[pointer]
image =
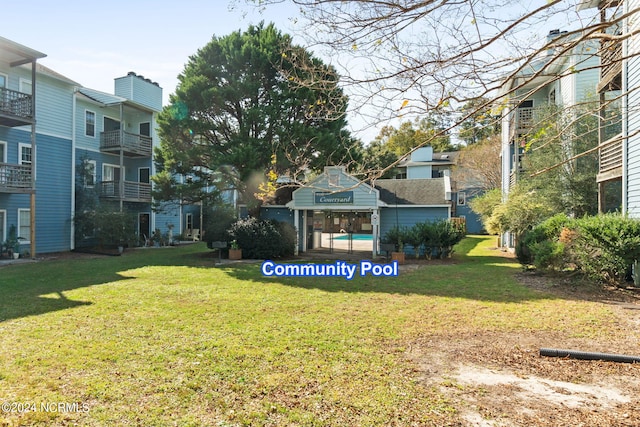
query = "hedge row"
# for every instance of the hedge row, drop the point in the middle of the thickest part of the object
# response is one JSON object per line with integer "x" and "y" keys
{"x": 434, "y": 239}
{"x": 604, "y": 247}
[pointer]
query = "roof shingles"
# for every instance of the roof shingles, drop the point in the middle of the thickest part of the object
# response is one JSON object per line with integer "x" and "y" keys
{"x": 412, "y": 191}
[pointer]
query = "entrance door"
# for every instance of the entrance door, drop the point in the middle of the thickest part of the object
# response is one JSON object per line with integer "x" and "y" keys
{"x": 145, "y": 129}
{"x": 143, "y": 175}
{"x": 342, "y": 231}
{"x": 144, "y": 226}
{"x": 111, "y": 180}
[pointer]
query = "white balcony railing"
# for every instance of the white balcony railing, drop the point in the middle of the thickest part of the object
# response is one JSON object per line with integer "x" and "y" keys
{"x": 131, "y": 144}
{"x": 133, "y": 191}
{"x": 15, "y": 178}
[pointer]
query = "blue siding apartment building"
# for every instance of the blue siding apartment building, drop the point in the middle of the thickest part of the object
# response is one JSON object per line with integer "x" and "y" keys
{"x": 619, "y": 81}
{"x": 58, "y": 139}
{"x": 529, "y": 91}
{"x": 50, "y": 126}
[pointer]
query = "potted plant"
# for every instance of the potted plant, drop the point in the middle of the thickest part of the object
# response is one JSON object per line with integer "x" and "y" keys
{"x": 13, "y": 243}
{"x": 235, "y": 252}
{"x": 399, "y": 254}
{"x": 396, "y": 235}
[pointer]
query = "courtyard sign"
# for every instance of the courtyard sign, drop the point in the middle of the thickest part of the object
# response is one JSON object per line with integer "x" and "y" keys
{"x": 340, "y": 198}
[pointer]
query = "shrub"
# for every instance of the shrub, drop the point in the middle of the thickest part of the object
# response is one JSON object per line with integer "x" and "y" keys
{"x": 548, "y": 254}
{"x": 519, "y": 213}
{"x": 288, "y": 238}
{"x": 396, "y": 235}
{"x": 439, "y": 237}
{"x": 413, "y": 237}
{"x": 605, "y": 246}
{"x": 540, "y": 246}
{"x": 106, "y": 228}
{"x": 263, "y": 239}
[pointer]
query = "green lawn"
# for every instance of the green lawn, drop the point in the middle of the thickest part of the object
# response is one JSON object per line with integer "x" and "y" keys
{"x": 161, "y": 337}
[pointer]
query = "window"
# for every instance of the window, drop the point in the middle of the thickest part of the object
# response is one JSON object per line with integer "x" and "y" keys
{"x": 401, "y": 175}
{"x": 3, "y": 80}
{"x": 90, "y": 173}
{"x": 462, "y": 198}
{"x": 334, "y": 180}
{"x": 3, "y": 152}
{"x": 24, "y": 225}
{"x": 25, "y": 155}
{"x": 189, "y": 222}
{"x": 89, "y": 123}
{"x": 552, "y": 97}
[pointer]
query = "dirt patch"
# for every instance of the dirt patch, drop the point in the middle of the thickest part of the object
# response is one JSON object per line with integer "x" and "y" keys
{"x": 500, "y": 380}
{"x": 578, "y": 287}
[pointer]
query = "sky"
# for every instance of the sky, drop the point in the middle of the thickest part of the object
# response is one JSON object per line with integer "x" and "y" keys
{"x": 93, "y": 43}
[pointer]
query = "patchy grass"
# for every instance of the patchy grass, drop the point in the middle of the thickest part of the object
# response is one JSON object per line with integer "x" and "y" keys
{"x": 161, "y": 337}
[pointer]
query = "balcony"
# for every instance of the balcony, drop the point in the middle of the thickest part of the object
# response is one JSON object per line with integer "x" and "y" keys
{"x": 513, "y": 178}
{"x": 15, "y": 178}
{"x": 16, "y": 108}
{"x": 133, "y": 191}
{"x": 521, "y": 122}
{"x": 610, "y": 159}
{"x": 132, "y": 145}
{"x": 611, "y": 66}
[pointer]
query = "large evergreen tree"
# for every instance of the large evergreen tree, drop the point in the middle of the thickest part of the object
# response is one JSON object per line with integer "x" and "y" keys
{"x": 241, "y": 107}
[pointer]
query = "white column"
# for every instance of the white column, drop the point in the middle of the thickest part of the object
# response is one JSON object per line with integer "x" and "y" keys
{"x": 296, "y": 224}
{"x": 305, "y": 236}
{"x": 375, "y": 225}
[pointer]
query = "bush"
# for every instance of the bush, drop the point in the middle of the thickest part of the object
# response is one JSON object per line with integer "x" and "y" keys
{"x": 106, "y": 228}
{"x": 396, "y": 235}
{"x": 439, "y": 237}
{"x": 263, "y": 239}
{"x": 413, "y": 237}
{"x": 548, "y": 254}
{"x": 484, "y": 205}
{"x": 540, "y": 246}
{"x": 519, "y": 213}
{"x": 605, "y": 246}
{"x": 288, "y": 238}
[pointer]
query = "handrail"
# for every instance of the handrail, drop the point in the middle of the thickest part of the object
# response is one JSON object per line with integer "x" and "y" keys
{"x": 16, "y": 103}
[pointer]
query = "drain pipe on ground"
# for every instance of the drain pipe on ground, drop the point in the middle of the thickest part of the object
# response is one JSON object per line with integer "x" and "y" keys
{"x": 584, "y": 355}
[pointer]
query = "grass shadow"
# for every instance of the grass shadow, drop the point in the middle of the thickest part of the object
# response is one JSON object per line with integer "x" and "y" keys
{"x": 476, "y": 271}
{"x": 23, "y": 286}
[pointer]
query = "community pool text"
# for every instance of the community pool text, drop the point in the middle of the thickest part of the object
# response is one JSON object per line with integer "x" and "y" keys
{"x": 336, "y": 269}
